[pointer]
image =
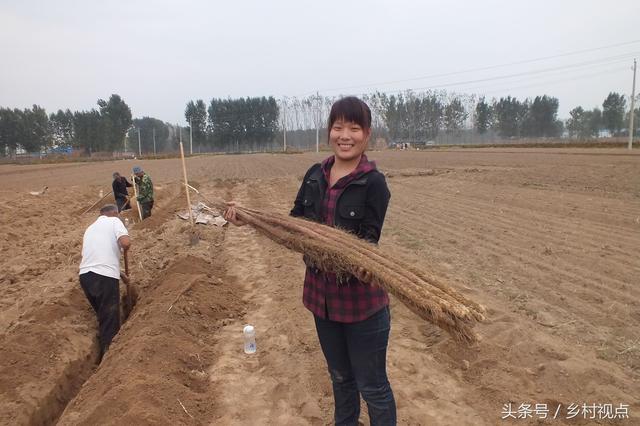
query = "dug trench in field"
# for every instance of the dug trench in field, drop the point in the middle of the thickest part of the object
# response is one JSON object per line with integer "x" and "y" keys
{"x": 79, "y": 365}
{"x": 156, "y": 370}
{"x": 172, "y": 307}
{"x": 42, "y": 366}
{"x": 67, "y": 357}
{"x": 158, "y": 240}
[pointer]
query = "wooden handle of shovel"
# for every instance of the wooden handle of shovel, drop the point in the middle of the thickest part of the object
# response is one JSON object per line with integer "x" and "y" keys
{"x": 126, "y": 263}
{"x": 96, "y": 203}
{"x": 128, "y": 283}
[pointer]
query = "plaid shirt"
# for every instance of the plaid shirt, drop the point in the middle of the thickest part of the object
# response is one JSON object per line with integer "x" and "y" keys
{"x": 351, "y": 300}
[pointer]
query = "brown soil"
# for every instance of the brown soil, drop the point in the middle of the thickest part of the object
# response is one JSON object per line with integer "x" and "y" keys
{"x": 546, "y": 239}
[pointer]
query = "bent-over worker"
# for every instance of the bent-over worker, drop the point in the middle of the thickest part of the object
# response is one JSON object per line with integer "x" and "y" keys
{"x": 100, "y": 271}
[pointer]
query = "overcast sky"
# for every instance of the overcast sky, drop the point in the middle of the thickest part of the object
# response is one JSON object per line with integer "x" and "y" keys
{"x": 158, "y": 55}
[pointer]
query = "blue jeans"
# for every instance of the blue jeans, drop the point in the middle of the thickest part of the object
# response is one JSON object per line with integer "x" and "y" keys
{"x": 356, "y": 355}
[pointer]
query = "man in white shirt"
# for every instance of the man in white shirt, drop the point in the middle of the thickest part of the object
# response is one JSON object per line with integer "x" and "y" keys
{"x": 100, "y": 271}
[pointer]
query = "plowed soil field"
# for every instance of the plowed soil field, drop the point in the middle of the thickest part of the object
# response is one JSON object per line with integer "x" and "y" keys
{"x": 547, "y": 239}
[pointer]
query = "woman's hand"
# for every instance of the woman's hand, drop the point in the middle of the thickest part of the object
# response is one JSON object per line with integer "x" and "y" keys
{"x": 230, "y": 214}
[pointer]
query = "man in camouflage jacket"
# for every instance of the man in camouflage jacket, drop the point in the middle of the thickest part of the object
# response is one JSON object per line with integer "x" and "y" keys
{"x": 145, "y": 191}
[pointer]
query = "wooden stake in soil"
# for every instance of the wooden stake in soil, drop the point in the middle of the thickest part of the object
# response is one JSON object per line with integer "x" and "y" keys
{"x": 135, "y": 192}
{"x": 186, "y": 185}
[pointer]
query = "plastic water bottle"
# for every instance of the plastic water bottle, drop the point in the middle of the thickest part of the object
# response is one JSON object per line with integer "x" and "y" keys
{"x": 101, "y": 194}
{"x": 249, "y": 339}
{"x": 126, "y": 222}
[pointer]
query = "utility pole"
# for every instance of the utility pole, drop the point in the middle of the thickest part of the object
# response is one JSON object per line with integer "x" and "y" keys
{"x": 180, "y": 131}
{"x": 190, "y": 137}
{"x": 633, "y": 105}
{"x": 139, "y": 144}
{"x": 318, "y": 122}
{"x": 154, "y": 141}
{"x": 284, "y": 122}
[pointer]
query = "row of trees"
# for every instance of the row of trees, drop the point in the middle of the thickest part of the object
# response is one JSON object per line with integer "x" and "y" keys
{"x": 103, "y": 129}
{"x": 252, "y": 123}
{"x": 613, "y": 117}
{"x": 27, "y": 128}
{"x": 246, "y": 121}
{"x": 419, "y": 116}
{"x": 422, "y": 116}
{"x": 510, "y": 117}
{"x": 32, "y": 130}
{"x": 536, "y": 118}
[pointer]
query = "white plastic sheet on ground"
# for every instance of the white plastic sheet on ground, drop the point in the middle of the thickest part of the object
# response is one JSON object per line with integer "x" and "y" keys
{"x": 204, "y": 215}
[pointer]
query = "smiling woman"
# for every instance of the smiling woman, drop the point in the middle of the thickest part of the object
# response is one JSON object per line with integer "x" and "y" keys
{"x": 352, "y": 316}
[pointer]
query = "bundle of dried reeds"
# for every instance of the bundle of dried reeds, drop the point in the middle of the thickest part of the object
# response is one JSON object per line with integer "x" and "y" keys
{"x": 331, "y": 249}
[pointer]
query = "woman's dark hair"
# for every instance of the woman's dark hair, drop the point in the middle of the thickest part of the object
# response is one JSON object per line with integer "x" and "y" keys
{"x": 351, "y": 109}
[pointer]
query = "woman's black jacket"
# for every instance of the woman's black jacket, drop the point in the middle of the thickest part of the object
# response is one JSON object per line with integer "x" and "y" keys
{"x": 360, "y": 208}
